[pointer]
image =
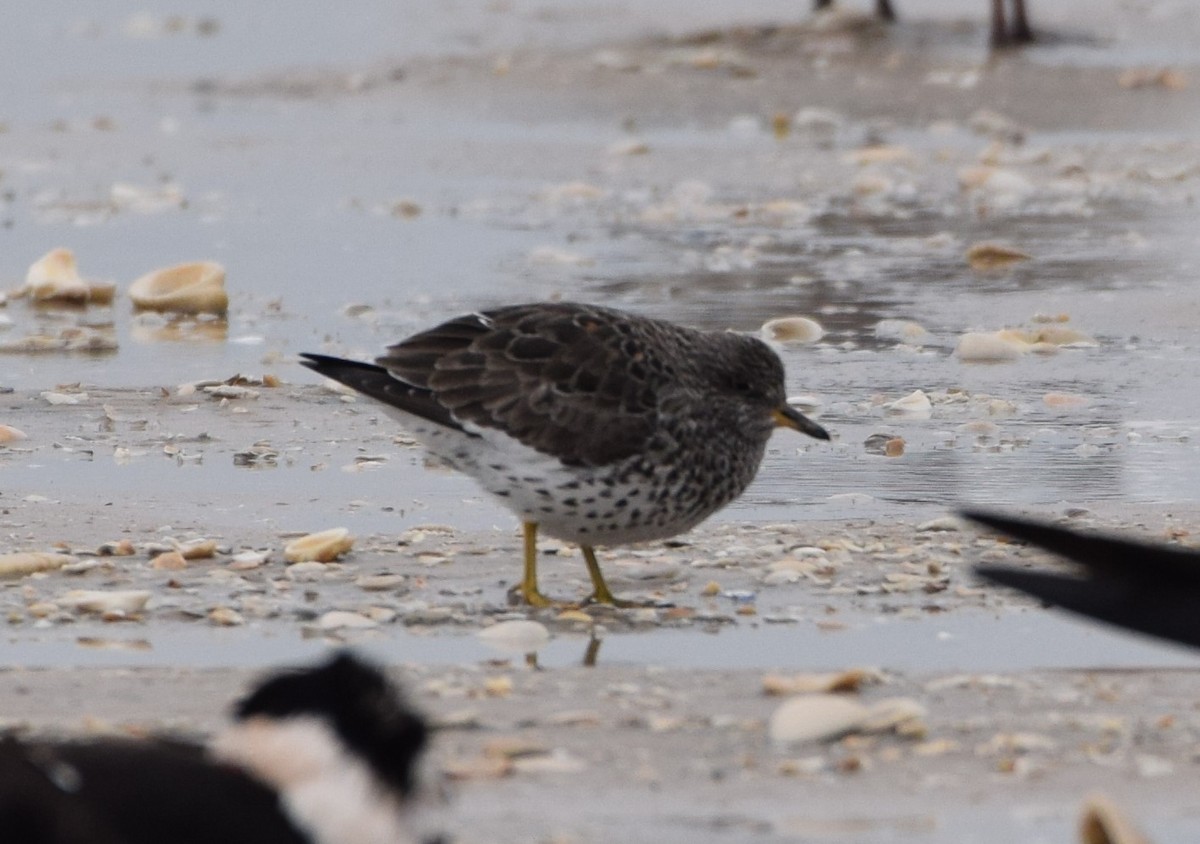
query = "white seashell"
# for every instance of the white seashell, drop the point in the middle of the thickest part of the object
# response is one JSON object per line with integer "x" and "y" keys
{"x": 1103, "y": 823}
{"x": 309, "y": 572}
{"x": 1061, "y": 335}
{"x": 894, "y": 713}
{"x": 342, "y": 620}
{"x": 195, "y": 288}
{"x": 55, "y": 278}
{"x": 169, "y": 561}
{"x": 101, "y": 601}
{"x": 813, "y": 119}
{"x": 245, "y": 560}
{"x": 515, "y": 636}
{"x": 64, "y": 398}
{"x": 380, "y": 582}
{"x": 322, "y": 547}
{"x": 992, "y": 347}
{"x": 915, "y": 404}
{"x": 901, "y": 330}
{"x": 226, "y": 617}
{"x": 795, "y": 329}
{"x": 815, "y": 718}
{"x": 9, "y": 434}
{"x": 940, "y": 524}
{"x": 30, "y": 562}
{"x": 197, "y": 549}
{"x": 805, "y": 403}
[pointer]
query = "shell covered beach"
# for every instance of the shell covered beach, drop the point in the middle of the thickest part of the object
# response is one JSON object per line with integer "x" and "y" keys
{"x": 978, "y": 269}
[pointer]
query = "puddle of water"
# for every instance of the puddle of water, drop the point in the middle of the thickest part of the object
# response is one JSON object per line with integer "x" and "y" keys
{"x": 964, "y": 641}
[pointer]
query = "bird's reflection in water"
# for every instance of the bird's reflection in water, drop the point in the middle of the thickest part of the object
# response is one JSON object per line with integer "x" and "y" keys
{"x": 590, "y": 654}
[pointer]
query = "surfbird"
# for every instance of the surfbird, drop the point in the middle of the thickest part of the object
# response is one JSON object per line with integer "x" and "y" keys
{"x": 597, "y": 426}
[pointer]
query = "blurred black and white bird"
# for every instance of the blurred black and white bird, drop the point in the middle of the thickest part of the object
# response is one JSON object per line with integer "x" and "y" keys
{"x": 322, "y": 755}
{"x": 1148, "y": 587}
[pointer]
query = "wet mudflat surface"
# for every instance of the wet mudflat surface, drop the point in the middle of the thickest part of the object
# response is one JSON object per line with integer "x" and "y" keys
{"x": 714, "y": 166}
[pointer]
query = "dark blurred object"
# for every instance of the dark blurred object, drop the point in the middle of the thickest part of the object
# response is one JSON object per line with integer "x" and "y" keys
{"x": 1142, "y": 586}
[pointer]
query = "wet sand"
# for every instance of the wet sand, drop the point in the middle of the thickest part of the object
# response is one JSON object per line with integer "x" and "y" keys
{"x": 664, "y": 167}
{"x": 664, "y": 734}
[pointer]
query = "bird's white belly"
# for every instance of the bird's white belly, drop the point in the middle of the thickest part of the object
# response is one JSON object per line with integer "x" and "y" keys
{"x": 576, "y": 504}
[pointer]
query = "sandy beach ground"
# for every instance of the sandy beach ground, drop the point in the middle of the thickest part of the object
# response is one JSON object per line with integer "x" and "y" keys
{"x": 717, "y": 166}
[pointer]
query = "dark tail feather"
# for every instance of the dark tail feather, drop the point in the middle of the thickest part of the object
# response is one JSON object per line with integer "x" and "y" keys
{"x": 376, "y": 382}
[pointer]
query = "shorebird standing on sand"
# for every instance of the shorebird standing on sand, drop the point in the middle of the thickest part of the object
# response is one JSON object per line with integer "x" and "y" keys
{"x": 597, "y": 426}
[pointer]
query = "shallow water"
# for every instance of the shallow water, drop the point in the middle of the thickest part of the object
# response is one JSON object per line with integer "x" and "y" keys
{"x": 964, "y": 641}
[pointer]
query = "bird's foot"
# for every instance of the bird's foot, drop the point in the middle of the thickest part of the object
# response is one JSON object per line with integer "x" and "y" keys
{"x": 610, "y": 600}
{"x": 519, "y": 594}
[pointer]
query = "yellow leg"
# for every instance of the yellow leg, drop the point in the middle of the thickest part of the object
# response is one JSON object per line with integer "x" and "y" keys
{"x": 601, "y": 594}
{"x": 529, "y": 587}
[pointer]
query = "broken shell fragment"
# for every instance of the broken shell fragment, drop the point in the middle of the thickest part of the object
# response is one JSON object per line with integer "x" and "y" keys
{"x": 1104, "y": 823}
{"x": 994, "y": 256}
{"x": 323, "y": 547}
{"x": 246, "y": 560}
{"x": 815, "y": 718}
{"x": 195, "y": 288}
{"x": 225, "y": 617}
{"x": 101, "y": 601}
{"x": 796, "y": 329}
{"x": 55, "y": 278}
{"x": 842, "y": 681}
{"x": 31, "y": 562}
{"x": 9, "y": 434}
{"x": 902, "y": 714}
{"x": 822, "y": 717}
{"x": 169, "y": 561}
{"x": 197, "y": 549}
{"x": 345, "y": 620}
{"x": 915, "y": 404}
{"x": 981, "y": 347}
{"x": 1061, "y": 335}
{"x": 901, "y": 330}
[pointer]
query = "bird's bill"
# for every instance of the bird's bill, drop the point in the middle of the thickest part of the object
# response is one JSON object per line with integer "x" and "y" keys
{"x": 787, "y": 416}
